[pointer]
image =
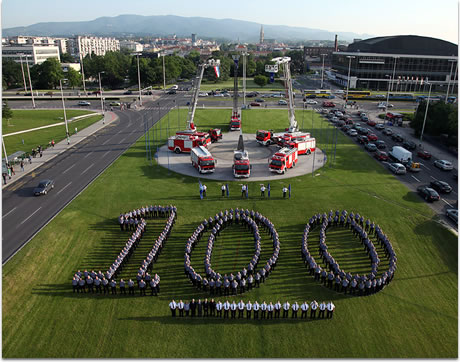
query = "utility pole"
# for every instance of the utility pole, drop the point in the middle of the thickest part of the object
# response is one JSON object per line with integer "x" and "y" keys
{"x": 322, "y": 73}
{"x": 426, "y": 112}
{"x": 63, "y": 107}
{"x": 83, "y": 75}
{"x": 30, "y": 83}
{"x": 100, "y": 93}
{"x": 23, "y": 76}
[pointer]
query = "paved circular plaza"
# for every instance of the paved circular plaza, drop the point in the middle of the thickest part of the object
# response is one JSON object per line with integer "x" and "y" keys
{"x": 222, "y": 151}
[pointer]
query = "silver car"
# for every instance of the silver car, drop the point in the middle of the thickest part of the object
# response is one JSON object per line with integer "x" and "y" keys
{"x": 443, "y": 165}
{"x": 397, "y": 168}
{"x": 452, "y": 214}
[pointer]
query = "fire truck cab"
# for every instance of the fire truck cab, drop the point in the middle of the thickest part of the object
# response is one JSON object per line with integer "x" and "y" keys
{"x": 215, "y": 134}
{"x": 284, "y": 159}
{"x": 184, "y": 143}
{"x": 202, "y": 160}
{"x": 235, "y": 121}
{"x": 241, "y": 166}
{"x": 264, "y": 138}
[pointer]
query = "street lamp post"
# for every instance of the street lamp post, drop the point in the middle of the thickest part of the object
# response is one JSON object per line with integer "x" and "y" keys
{"x": 244, "y": 77}
{"x": 322, "y": 73}
{"x": 63, "y": 107}
{"x": 426, "y": 112}
{"x": 394, "y": 71}
{"x": 164, "y": 73}
{"x": 450, "y": 76}
{"x": 83, "y": 75}
{"x": 100, "y": 92}
{"x": 350, "y": 57}
{"x": 30, "y": 83}
{"x": 23, "y": 76}
{"x": 139, "y": 80}
{"x": 388, "y": 91}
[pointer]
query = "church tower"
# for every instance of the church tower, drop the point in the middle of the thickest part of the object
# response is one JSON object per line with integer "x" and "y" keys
{"x": 261, "y": 34}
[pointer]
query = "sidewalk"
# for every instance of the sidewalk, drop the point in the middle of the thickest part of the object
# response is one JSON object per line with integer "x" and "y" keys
{"x": 58, "y": 148}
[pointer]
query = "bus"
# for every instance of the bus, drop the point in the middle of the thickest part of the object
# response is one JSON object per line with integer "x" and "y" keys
{"x": 318, "y": 93}
{"x": 402, "y": 96}
{"x": 357, "y": 94}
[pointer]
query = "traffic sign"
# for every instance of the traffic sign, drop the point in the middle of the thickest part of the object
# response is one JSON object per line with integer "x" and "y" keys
{"x": 271, "y": 68}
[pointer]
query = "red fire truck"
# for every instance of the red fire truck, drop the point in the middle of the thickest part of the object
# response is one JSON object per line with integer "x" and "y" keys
{"x": 268, "y": 137}
{"x": 264, "y": 137}
{"x": 241, "y": 166}
{"x": 235, "y": 122}
{"x": 202, "y": 160}
{"x": 215, "y": 134}
{"x": 284, "y": 159}
{"x": 304, "y": 146}
{"x": 202, "y": 135}
{"x": 183, "y": 143}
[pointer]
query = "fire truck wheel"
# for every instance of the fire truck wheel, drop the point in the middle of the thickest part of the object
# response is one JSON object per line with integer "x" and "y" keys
{"x": 293, "y": 164}
{"x": 177, "y": 150}
{"x": 308, "y": 152}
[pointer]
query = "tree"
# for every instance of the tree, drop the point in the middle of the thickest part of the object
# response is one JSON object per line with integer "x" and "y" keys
{"x": 73, "y": 78}
{"x": 12, "y": 74}
{"x": 7, "y": 113}
{"x": 47, "y": 74}
{"x": 67, "y": 58}
{"x": 194, "y": 56}
{"x": 260, "y": 80}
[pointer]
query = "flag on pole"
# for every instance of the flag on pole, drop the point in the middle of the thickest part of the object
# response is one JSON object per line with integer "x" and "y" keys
{"x": 289, "y": 190}
{"x": 268, "y": 189}
{"x": 217, "y": 71}
{"x": 226, "y": 187}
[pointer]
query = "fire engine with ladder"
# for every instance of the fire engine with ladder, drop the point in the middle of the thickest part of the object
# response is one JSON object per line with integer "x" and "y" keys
{"x": 185, "y": 140}
{"x": 235, "y": 120}
{"x": 241, "y": 167}
{"x": 266, "y": 138}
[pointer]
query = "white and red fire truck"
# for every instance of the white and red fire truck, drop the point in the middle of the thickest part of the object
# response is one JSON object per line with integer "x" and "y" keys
{"x": 284, "y": 159}
{"x": 241, "y": 167}
{"x": 201, "y": 135}
{"x": 304, "y": 146}
{"x": 184, "y": 143}
{"x": 202, "y": 160}
{"x": 235, "y": 122}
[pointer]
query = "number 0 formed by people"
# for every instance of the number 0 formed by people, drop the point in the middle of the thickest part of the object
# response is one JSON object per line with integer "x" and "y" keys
{"x": 331, "y": 275}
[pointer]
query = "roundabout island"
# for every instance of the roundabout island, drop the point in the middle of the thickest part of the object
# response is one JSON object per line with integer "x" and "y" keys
{"x": 222, "y": 151}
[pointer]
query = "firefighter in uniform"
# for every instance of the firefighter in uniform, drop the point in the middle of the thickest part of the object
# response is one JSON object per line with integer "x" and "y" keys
{"x": 262, "y": 190}
{"x": 285, "y": 190}
{"x": 223, "y": 188}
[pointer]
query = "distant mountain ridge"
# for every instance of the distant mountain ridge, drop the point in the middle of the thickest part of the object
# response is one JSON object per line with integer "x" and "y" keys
{"x": 161, "y": 25}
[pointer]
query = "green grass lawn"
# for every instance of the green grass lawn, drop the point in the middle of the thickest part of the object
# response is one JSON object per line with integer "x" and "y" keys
{"x": 43, "y": 136}
{"x": 415, "y": 316}
{"x": 250, "y": 86}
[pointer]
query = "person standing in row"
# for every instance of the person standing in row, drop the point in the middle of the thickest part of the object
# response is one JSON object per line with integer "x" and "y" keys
{"x": 219, "y": 309}
{"x": 241, "y": 306}
{"x": 330, "y": 309}
{"x": 233, "y": 308}
{"x": 248, "y": 309}
{"x": 313, "y": 308}
{"x": 322, "y": 309}
{"x": 263, "y": 308}
{"x": 226, "y": 308}
{"x": 256, "y": 307}
{"x": 270, "y": 311}
{"x": 180, "y": 307}
{"x": 286, "y": 307}
{"x": 295, "y": 308}
{"x": 304, "y": 308}
{"x": 277, "y": 309}
{"x": 172, "y": 306}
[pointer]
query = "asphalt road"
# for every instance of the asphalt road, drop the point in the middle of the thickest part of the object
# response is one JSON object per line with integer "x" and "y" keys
{"x": 24, "y": 214}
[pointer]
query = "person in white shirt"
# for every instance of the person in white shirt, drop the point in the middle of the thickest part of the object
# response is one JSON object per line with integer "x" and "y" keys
{"x": 219, "y": 308}
{"x": 248, "y": 309}
{"x": 243, "y": 191}
{"x": 313, "y": 308}
{"x": 285, "y": 190}
{"x": 262, "y": 190}
{"x": 241, "y": 306}
{"x": 295, "y": 308}
{"x": 263, "y": 308}
{"x": 173, "y": 306}
{"x": 256, "y": 307}
{"x": 330, "y": 309}
{"x": 226, "y": 308}
{"x": 233, "y": 308}
{"x": 322, "y": 309}
{"x": 304, "y": 308}
{"x": 270, "y": 308}
{"x": 204, "y": 190}
{"x": 277, "y": 309}
{"x": 180, "y": 306}
{"x": 223, "y": 188}
{"x": 286, "y": 307}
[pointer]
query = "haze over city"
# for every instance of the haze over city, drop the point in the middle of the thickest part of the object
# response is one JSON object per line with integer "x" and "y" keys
{"x": 393, "y": 17}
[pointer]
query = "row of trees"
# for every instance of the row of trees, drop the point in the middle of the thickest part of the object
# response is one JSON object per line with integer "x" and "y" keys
{"x": 442, "y": 119}
{"x": 118, "y": 68}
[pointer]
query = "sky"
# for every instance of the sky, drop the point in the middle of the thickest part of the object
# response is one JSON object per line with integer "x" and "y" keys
{"x": 438, "y": 19}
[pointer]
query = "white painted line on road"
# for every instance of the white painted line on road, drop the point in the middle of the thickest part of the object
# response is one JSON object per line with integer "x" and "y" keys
{"x": 69, "y": 168}
{"x": 88, "y": 168}
{"x": 9, "y": 212}
{"x": 63, "y": 188}
{"x": 88, "y": 154}
{"x": 447, "y": 202}
{"x": 426, "y": 167}
{"x": 105, "y": 154}
{"x": 434, "y": 178}
{"x": 23, "y": 221}
{"x": 415, "y": 178}
{"x": 106, "y": 141}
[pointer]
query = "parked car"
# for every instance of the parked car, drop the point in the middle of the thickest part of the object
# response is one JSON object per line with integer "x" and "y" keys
{"x": 452, "y": 214}
{"x": 202, "y": 94}
{"x": 388, "y": 131}
{"x": 311, "y": 101}
{"x": 362, "y": 139}
{"x": 255, "y": 104}
{"x": 409, "y": 145}
{"x": 260, "y": 100}
{"x": 346, "y": 128}
{"x": 282, "y": 102}
{"x": 381, "y": 145}
{"x": 397, "y": 137}
{"x": 428, "y": 193}
{"x": 84, "y": 103}
{"x": 424, "y": 154}
{"x": 352, "y": 132}
{"x": 441, "y": 186}
{"x": 397, "y": 168}
{"x": 43, "y": 187}
{"x": 381, "y": 155}
{"x": 115, "y": 104}
{"x": 443, "y": 165}
{"x": 372, "y": 137}
{"x": 371, "y": 123}
{"x": 128, "y": 92}
{"x": 370, "y": 147}
{"x": 363, "y": 131}
{"x": 379, "y": 126}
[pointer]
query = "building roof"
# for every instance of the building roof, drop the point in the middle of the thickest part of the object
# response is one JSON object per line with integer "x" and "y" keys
{"x": 405, "y": 44}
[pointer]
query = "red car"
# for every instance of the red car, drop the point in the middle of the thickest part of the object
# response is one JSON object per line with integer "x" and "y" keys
{"x": 371, "y": 123}
{"x": 328, "y": 104}
{"x": 255, "y": 104}
{"x": 372, "y": 137}
{"x": 424, "y": 154}
{"x": 381, "y": 156}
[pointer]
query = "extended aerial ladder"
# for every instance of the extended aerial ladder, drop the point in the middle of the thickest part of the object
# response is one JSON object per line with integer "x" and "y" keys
{"x": 196, "y": 90}
{"x": 235, "y": 120}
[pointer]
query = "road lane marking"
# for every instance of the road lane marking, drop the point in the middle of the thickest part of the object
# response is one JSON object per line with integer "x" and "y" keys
{"x": 426, "y": 167}
{"x": 122, "y": 140}
{"x": 447, "y": 203}
{"x": 105, "y": 154}
{"x": 434, "y": 178}
{"x": 69, "y": 168}
{"x": 9, "y": 212}
{"x": 63, "y": 188}
{"x": 106, "y": 141}
{"x": 88, "y": 154}
{"x": 88, "y": 168}
{"x": 23, "y": 221}
{"x": 415, "y": 178}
